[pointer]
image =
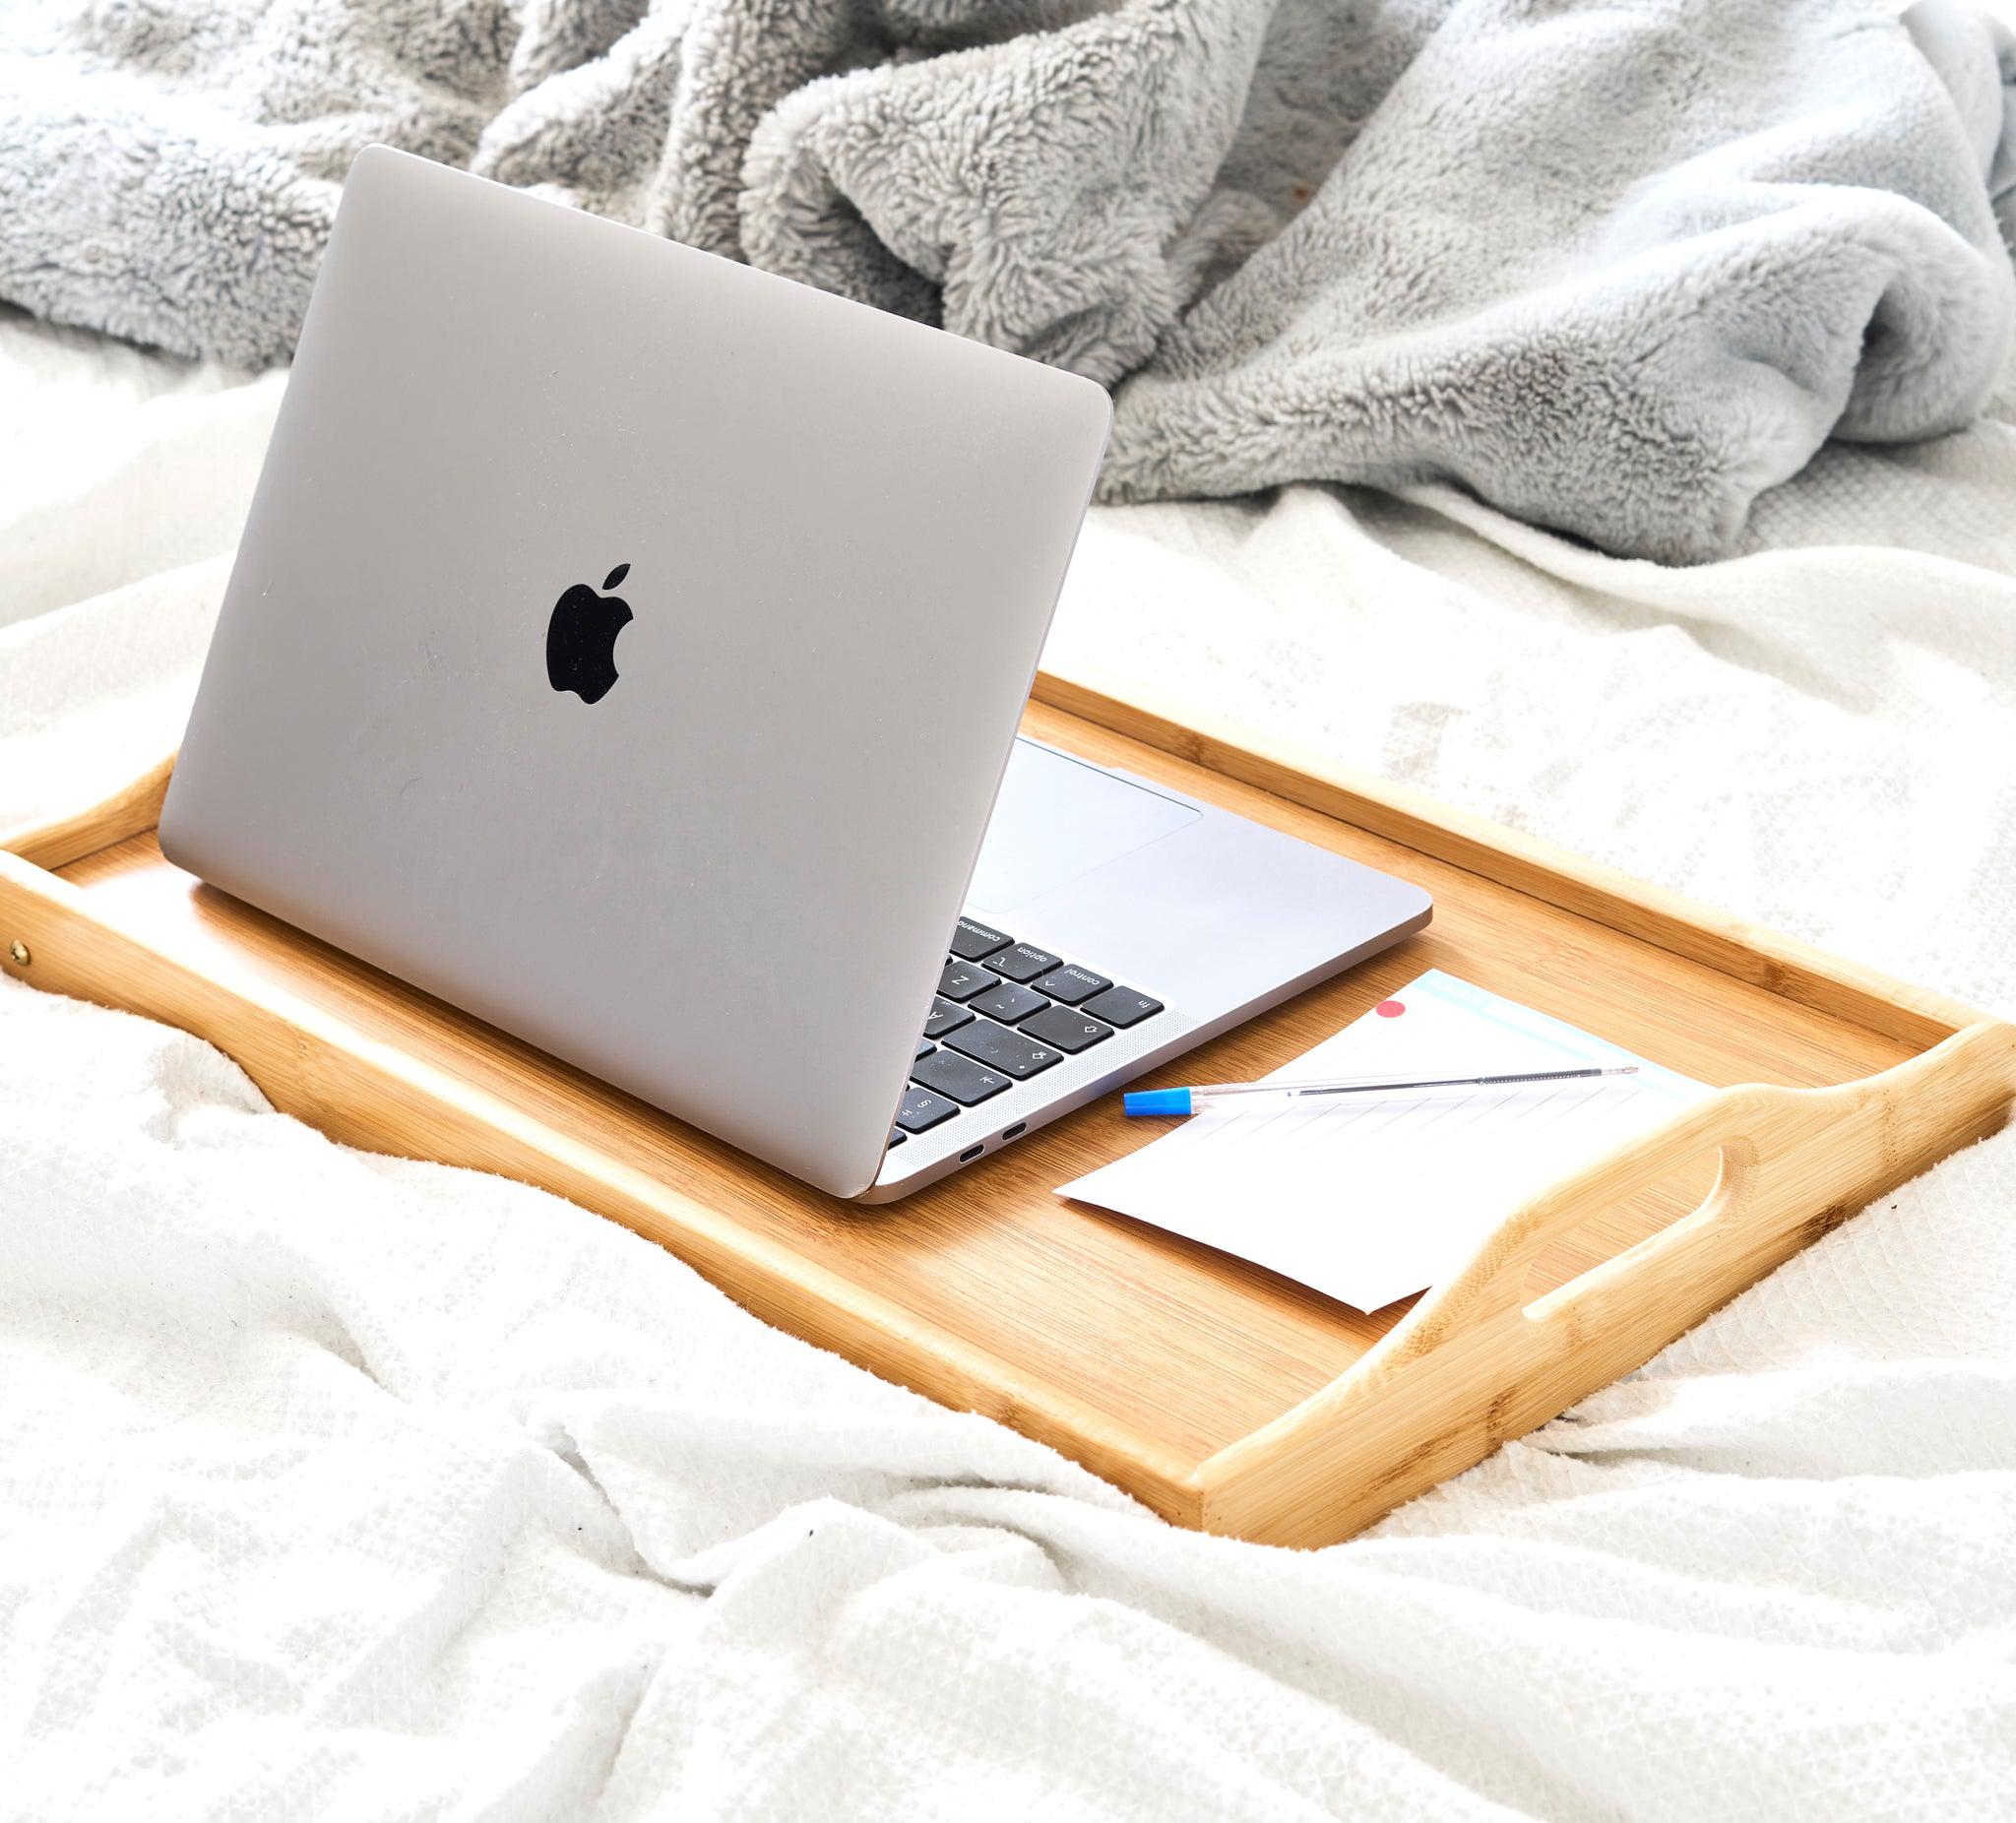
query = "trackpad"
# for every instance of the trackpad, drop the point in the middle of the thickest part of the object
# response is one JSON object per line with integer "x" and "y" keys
{"x": 1057, "y": 819}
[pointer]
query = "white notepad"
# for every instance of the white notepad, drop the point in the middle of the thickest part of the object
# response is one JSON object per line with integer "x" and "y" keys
{"x": 1383, "y": 1196}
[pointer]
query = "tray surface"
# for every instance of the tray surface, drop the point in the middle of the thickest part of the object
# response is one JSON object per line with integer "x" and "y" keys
{"x": 1167, "y": 1352}
{"x": 1125, "y": 1311}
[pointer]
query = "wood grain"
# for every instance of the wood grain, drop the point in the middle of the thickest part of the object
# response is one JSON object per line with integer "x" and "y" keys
{"x": 1489, "y": 1362}
{"x": 60, "y": 840}
{"x": 1161, "y": 1365}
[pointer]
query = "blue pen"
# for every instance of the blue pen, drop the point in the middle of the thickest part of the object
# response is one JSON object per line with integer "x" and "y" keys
{"x": 1195, "y": 1099}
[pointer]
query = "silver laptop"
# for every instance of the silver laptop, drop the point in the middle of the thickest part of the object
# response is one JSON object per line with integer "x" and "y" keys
{"x": 628, "y": 648}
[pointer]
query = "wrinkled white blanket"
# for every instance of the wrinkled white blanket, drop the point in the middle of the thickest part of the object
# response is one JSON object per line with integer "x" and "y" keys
{"x": 330, "y": 1485}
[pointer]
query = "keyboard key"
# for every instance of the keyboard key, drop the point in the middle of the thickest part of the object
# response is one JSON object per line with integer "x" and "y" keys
{"x": 896, "y": 1138}
{"x": 957, "y": 1077}
{"x": 963, "y": 979}
{"x": 925, "y": 1048}
{"x": 921, "y": 1110}
{"x": 1122, "y": 1006}
{"x": 971, "y": 941}
{"x": 1022, "y": 963}
{"x": 1010, "y": 1004}
{"x": 1070, "y": 984}
{"x": 944, "y": 1016}
{"x": 1002, "y": 1049}
{"x": 1064, "y": 1027}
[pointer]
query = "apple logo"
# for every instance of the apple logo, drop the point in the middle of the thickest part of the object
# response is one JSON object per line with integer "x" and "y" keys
{"x": 580, "y": 638}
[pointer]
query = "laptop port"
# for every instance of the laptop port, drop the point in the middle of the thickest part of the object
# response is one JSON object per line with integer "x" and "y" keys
{"x": 971, "y": 1153}
{"x": 1021, "y": 1126}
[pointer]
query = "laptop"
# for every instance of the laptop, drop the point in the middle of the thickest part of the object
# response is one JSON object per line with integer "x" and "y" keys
{"x": 628, "y": 648}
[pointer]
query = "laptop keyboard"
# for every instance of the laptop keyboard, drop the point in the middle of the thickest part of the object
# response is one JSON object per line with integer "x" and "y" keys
{"x": 1005, "y": 1012}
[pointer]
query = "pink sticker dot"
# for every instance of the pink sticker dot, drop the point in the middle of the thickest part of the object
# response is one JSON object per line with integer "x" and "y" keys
{"x": 1390, "y": 1009}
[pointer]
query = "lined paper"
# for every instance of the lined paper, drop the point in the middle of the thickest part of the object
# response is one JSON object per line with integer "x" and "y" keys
{"x": 1379, "y": 1197}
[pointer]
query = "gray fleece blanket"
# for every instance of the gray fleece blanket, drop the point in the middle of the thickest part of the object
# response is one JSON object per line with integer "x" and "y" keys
{"x": 1615, "y": 267}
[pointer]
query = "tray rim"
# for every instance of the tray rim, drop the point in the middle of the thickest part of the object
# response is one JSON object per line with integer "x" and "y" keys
{"x": 1543, "y": 871}
{"x": 1530, "y": 864}
{"x": 1307, "y": 1477}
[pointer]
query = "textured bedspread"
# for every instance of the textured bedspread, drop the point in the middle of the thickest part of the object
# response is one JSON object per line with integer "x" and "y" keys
{"x": 335, "y": 1486}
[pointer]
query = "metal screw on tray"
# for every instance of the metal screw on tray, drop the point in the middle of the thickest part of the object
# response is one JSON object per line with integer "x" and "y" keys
{"x": 19, "y": 951}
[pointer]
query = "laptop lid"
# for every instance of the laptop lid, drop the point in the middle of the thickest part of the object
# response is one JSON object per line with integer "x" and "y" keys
{"x": 626, "y": 646}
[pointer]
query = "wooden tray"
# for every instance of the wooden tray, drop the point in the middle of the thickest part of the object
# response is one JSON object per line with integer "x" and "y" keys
{"x": 1219, "y": 1394}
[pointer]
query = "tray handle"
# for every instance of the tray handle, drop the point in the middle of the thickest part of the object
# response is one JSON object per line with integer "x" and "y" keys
{"x": 1478, "y": 1361}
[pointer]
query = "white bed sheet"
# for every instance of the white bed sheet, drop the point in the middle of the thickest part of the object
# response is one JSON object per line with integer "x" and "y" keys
{"x": 341, "y": 1485}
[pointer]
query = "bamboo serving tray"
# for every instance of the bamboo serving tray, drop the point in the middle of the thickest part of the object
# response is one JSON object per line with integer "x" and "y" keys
{"x": 1221, "y": 1396}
